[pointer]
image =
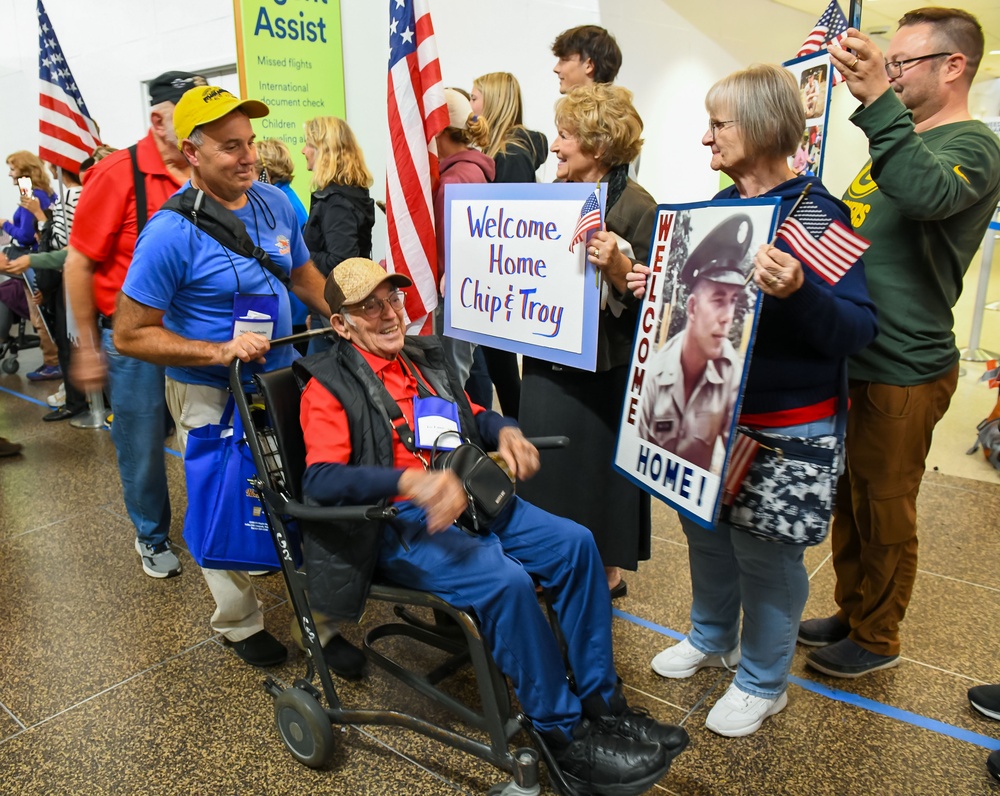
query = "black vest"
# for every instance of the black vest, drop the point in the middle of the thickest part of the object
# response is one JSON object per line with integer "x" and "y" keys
{"x": 340, "y": 558}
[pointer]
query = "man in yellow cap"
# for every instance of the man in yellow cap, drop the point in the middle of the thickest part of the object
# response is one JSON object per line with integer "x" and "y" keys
{"x": 193, "y": 305}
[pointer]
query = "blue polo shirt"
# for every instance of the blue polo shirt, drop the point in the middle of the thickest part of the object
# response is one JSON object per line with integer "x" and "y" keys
{"x": 193, "y": 278}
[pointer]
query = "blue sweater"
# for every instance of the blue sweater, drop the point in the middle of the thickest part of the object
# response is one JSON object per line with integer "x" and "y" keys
{"x": 22, "y": 226}
{"x": 802, "y": 340}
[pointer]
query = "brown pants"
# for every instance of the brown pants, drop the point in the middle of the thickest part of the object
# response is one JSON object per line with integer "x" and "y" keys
{"x": 874, "y": 535}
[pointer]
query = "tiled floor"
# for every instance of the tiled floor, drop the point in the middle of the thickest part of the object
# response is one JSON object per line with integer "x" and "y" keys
{"x": 112, "y": 683}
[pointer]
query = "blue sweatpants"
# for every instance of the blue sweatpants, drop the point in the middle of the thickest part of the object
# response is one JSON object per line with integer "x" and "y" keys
{"x": 491, "y": 576}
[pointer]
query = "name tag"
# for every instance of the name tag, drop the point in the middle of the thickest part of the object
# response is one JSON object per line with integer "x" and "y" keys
{"x": 436, "y": 422}
{"x": 254, "y": 312}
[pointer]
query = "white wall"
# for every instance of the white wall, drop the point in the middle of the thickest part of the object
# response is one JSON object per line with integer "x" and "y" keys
{"x": 673, "y": 51}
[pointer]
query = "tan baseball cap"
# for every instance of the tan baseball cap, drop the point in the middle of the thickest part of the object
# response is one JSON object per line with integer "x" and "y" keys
{"x": 355, "y": 279}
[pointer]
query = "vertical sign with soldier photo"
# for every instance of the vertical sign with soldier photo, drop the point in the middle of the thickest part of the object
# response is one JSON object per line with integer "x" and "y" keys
{"x": 692, "y": 351}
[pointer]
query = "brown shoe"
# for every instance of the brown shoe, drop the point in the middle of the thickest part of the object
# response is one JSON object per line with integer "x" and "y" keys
{"x": 8, "y": 448}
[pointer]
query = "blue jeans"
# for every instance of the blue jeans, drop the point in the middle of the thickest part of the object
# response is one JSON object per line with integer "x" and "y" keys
{"x": 136, "y": 392}
{"x": 731, "y": 570}
{"x": 491, "y": 575}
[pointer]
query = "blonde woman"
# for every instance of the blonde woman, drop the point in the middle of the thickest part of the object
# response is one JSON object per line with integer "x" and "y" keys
{"x": 341, "y": 213}
{"x": 517, "y": 151}
{"x": 599, "y": 133}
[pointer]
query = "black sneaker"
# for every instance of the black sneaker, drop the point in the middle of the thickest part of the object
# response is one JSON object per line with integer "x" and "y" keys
{"x": 261, "y": 649}
{"x": 993, "y": 764}
{"x": 594, "y": 761}
{"x": 821, "y": 632}
{"x": 638, "y": 724}
{"x": 846, "y": 659}
{"x": 986, "y": 699}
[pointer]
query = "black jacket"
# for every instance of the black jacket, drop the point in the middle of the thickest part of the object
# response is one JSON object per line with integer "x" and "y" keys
{"x": 340, "y": 224}
{"x": 524, "y": 155}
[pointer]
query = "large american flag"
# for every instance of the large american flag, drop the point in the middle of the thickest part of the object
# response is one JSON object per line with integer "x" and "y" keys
{"x": 417, "y": 113}
{"x": 68, "y": 134}
{"x": 830, "y": 27}
{"x": 590, "y": 218}
{"x": 826, "y": 245}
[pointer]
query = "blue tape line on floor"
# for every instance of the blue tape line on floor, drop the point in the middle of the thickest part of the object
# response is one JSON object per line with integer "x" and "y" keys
{"x": 37, "y": 402}
{"x": 915, "y": 719}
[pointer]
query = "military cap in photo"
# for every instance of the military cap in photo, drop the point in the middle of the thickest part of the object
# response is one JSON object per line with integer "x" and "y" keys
{"x": 719, "y": 257}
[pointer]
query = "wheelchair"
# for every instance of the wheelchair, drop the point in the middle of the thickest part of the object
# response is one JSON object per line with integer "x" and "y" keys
{"x": 12, "y": 295}
{"x": 304, "y": 723}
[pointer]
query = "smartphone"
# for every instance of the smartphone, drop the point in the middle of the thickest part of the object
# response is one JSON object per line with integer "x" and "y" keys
{"x": 24, "y": 185}
{"x": 854, "y": 15}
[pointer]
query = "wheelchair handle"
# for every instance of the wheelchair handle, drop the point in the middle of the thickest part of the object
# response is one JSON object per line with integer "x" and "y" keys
{"x": 549, "y": 442}
{"x": 338, "y": 513}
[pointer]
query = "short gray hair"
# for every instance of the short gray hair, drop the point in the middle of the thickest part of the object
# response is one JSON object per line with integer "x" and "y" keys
{"x": 764, "y": 99}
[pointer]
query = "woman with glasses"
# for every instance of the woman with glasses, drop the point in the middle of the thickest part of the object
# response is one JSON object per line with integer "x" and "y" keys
{"x": 341, "y": 213}
{"x": 598, "y": 135}
{"x": 807, "y": 329}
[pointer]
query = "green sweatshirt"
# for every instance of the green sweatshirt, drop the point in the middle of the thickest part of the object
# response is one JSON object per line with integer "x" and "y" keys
{"x": 49, "y": 260}
{"x": 924, "y": 200}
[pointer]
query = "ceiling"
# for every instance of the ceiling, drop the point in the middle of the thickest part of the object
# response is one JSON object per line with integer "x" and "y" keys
{"x": 773, "y": 30}
{"x": 882, "y": 17}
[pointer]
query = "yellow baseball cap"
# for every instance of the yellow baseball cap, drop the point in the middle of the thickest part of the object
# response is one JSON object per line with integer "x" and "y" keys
{"x": 204, "y": 104}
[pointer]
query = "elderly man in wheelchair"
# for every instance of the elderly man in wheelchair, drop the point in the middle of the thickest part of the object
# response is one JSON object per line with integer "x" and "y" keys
{"x": 360, "y": 402}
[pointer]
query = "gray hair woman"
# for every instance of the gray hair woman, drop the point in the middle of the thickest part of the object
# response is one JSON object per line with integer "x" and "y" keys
{"x": 807, "y": 329}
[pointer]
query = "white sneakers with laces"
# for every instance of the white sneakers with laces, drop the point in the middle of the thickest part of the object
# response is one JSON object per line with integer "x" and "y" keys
{"x": 683, "y": 660}
{"x": 739, "y": 713}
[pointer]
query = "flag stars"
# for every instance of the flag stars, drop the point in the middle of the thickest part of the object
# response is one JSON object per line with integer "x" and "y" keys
{"x": 407, "y": 35}
{"x": 392, "y": 27}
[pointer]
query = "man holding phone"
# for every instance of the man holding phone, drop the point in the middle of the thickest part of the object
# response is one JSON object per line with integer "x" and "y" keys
{"x": 924, "y": 200}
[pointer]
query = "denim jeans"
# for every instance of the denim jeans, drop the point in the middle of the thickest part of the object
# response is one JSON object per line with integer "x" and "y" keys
{"x": 731, "y": 570}
{"x": 137, "y": 401}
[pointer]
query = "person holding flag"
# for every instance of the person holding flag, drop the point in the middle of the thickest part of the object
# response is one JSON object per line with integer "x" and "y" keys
{"x": 924, "y": 199}
{"x": 599, "y": 134}
{"x": 807, "y": 329}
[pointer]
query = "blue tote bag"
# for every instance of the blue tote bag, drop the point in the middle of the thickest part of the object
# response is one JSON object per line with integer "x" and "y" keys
{"x": 224, "y": 526}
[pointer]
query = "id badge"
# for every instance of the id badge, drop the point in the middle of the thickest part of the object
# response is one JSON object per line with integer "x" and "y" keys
{"x": 436, "y": 421}
{"x": 254, "y": 312}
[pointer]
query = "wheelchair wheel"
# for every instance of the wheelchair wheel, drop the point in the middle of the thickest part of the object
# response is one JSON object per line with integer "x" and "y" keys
{"x": 10, "y": 365}
{"x": 304, "y": 727}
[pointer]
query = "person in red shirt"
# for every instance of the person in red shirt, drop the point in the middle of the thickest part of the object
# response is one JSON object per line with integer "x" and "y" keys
{"x": 353, "y": 457}
{"x": 122, "y": 192}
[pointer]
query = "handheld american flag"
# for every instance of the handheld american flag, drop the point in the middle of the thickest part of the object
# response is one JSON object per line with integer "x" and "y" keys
{"x": 740, "y": 458}
{"x": 68, "y": 134}
{"x": 826, "y": 245}
{"x": 830, "y": 27}
{"x": 590, "y": 218}
{"x": 417, "y": 113}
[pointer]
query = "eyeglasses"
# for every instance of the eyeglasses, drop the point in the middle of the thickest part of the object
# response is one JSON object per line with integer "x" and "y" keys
{"x": 714, "y": 127}
{"x": 372, "y": 308}
{"x": 894, "y": 69}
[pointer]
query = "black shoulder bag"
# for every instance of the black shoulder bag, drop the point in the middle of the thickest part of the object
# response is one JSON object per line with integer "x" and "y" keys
{"x": 488, "y": 488}
{"x": 222, "y": 224}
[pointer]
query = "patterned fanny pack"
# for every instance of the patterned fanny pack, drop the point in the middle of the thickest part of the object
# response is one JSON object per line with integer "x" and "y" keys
{"x": 787, "y": 487}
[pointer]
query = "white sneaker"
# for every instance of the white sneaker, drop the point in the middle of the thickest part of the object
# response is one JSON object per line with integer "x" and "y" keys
{"x": 739, "y": 713}
{"x": 682, "y": 660}
{"x": 58, "y": 398}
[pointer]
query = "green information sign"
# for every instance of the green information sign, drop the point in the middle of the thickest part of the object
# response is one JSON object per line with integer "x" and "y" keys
{"x": 290, "y": 57}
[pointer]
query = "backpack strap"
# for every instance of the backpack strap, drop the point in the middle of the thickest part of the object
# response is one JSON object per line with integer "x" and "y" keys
{"x": 223, "y": 225}
{"x": 141, "y": 208}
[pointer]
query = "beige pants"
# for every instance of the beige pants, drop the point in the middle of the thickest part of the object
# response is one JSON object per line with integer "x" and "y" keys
{"x": 238, "y": 612}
